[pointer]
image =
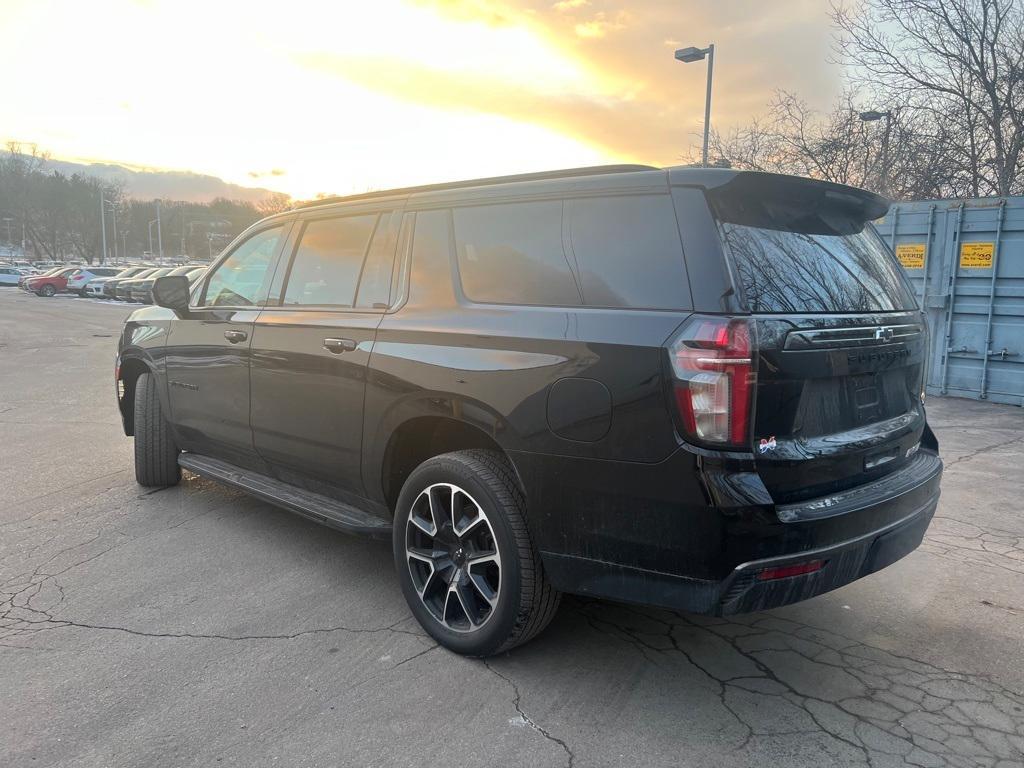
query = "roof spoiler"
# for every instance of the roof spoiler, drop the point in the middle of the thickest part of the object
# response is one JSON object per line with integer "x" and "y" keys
{"x": 732, "y": 185}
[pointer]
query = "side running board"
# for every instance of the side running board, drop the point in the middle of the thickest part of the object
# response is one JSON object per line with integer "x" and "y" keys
{"x": 322, "y": 509}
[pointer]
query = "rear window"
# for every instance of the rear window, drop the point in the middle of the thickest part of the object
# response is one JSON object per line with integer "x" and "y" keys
{"x": 808, "y": 252}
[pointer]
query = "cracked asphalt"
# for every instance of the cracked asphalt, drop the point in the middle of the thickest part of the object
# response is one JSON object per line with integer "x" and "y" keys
{"x": 196, "y": 626}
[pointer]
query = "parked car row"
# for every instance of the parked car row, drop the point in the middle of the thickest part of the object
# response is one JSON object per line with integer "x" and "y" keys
{"x": 137, "y": 285}
{"x": 133, "y": 284}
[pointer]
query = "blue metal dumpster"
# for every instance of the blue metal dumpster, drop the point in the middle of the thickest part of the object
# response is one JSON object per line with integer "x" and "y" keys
{"x": 966, "y": 261}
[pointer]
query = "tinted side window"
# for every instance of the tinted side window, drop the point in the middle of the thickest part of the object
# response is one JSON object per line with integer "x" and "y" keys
{"x": 628, "y": 252}
{"x": 430, "y": 278}
{"x": 512, "y": 254}
{"x": 327, "y": 262}
{"x": 375, "y": 282}
{"x": 242, "y": 279}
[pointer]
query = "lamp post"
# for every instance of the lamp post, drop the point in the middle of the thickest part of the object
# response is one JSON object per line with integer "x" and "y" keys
{"x": 103, "y": 226}
{"x": 151, "y": 223}
{"x": 872, "y": 116}
{"x": 688, "y": 56}
{"x": 113, "y": 214}
{"x": 159, "y": 236}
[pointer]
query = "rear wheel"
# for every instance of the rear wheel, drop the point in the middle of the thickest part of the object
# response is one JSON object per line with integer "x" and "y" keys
{"x": 156, "y": 455}
{"x": 467, "y": 566}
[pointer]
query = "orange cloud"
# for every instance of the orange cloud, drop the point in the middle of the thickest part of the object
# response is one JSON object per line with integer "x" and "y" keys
{"x": 395, "y": 92}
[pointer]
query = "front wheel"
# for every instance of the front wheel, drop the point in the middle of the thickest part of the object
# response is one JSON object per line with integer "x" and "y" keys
{"x": 48, "y": 291}
{"x": 466, "y": 563}
{"x": 156, "y": 455}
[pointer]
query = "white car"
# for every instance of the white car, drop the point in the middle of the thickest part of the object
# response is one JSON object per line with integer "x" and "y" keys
{"x": 78, "y": 281}
{"x": 10, "y": 275}
{"x": 96, "y": 288}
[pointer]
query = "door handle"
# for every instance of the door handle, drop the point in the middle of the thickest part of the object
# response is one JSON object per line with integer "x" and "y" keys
{"x": 337, "y": 346}
{"x": 235, "y": 336}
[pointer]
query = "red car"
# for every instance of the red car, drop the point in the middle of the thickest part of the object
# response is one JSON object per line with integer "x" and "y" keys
{"x": 48, "y": 285}
{"x": 24, "y": 278}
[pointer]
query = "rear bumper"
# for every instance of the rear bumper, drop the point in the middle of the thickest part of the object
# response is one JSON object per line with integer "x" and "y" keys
{"x": 742, "y": 591}
{"x": 690, "y": 563}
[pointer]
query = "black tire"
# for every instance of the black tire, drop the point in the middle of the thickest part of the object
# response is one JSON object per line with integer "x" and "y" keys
{"x": 47, "y": 290}
{"x": 156, "y": 455}
{"x": 526, "y": 602}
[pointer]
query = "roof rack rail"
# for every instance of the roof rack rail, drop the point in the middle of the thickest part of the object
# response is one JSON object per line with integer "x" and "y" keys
{"x": 567, "y": 173}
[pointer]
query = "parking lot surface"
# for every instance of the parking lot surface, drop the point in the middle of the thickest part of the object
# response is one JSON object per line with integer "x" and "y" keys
{"x": 197, "y": 626}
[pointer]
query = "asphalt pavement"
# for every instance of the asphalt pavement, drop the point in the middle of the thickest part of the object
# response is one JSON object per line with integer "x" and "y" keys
{"x": 196, "y": 626}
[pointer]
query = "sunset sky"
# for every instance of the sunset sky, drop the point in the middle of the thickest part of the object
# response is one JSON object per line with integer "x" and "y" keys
{"x": 314, "y": 96}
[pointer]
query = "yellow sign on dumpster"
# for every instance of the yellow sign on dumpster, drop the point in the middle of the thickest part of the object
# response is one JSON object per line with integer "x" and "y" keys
{"x": 911, "y": 255}
{"x": 976, "y": 255}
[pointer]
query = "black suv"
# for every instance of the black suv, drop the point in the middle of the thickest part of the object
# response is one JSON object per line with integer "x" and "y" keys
{"x": 692, "y": 388}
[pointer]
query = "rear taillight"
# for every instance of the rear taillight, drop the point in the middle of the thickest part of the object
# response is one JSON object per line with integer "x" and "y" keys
{"x": 713, "y": 365}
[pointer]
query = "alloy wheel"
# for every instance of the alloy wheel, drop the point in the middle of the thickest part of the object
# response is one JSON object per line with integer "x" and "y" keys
{"x": 453, "y": 557}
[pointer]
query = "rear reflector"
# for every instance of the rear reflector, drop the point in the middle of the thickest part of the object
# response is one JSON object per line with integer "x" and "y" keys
{"x": 785, "y": 571}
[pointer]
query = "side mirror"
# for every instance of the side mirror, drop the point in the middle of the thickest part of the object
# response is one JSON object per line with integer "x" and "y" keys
{"x": 172, "y": 291}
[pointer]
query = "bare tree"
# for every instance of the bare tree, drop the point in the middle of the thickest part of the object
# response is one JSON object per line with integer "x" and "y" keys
{"x": 60, "y": 214}
{"x": 275, "y": 203}
{"x": 961, "y": 63}
{"x": 903, "y": 158}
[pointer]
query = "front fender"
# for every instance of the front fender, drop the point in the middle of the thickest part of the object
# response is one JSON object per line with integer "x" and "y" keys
{"x": 141, "y": 349}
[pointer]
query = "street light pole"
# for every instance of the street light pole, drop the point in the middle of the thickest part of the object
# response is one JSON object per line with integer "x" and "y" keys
{"x": 159, "y": 236}
{"x": 103, "y": 226}
{"x": 124, "y": 244}
{"x": 113, "y": 214}
{"x": 885, "y": 153}
{"x": 870, "y": 117}
{"x": 688, "y": 55}
{"x": 707, "y": 103}
{"x": 151, "y": 223}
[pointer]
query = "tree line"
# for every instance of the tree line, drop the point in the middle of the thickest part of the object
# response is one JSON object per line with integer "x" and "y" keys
{"x": 57, "y": 215}
{"x": 932, "y": 104}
